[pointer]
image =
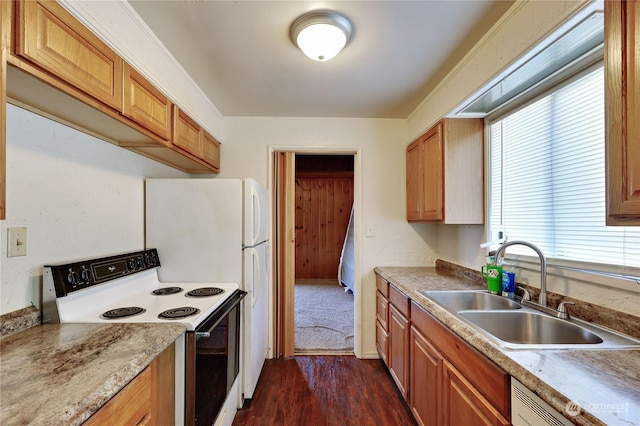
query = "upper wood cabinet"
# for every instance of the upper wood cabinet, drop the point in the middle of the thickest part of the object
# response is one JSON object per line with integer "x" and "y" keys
{"x": 145, "y": 104}
{"x": 622, "y": 94}
{"x": 445, "y": 177}
{"x": 211, "y": 151}
{"x": 57, "y": 68}
{"x": 425, "y": 179}
{"x": 187, "y": 134}
{"x": 50, "y": 37}
{"x": 190, "y": 137}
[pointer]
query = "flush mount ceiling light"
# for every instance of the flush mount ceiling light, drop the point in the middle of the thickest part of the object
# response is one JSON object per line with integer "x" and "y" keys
{"x": 321, "y": 34}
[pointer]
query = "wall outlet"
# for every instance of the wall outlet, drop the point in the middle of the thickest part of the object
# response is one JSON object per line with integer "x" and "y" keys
{"x": 16, "y": 242}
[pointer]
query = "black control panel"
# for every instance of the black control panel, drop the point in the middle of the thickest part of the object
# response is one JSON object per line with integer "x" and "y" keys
{"x": 69, "y": 277}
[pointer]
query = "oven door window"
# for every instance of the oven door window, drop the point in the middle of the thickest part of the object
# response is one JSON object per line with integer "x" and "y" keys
{"x": 216, "y": 367}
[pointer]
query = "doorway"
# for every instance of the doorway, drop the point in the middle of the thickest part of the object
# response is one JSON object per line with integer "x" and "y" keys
{"x": 324, "y": 256}
{"x": 313, "y": 259}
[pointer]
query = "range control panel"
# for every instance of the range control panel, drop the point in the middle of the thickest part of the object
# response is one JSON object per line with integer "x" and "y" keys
{"x": 69, "y": 277}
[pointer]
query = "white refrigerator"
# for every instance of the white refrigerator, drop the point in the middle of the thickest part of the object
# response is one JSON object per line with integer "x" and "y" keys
{"x": 216, "y": 230}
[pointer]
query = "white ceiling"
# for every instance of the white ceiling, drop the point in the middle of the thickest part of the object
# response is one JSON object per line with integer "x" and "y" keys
{"x": 240, "y": 54}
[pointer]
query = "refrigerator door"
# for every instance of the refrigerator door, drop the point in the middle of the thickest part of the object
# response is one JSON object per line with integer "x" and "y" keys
{"x": 255, "y": 315}
{"x": 196, "y": 225}
{"x": 256, "y": 219}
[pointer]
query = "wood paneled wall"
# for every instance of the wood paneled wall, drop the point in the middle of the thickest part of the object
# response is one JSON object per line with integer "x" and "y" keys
{"x": 323, "y": 207}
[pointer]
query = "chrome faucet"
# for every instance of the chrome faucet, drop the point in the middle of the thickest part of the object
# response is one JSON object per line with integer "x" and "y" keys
{"x": 542, "y": 299}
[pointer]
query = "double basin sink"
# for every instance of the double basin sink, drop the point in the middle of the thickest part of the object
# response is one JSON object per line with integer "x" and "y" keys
{"x": 514, "y": 326}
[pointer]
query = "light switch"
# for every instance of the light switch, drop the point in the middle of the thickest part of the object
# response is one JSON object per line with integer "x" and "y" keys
{"x": 16, "y": 242}
{"x": 370, "y": 230}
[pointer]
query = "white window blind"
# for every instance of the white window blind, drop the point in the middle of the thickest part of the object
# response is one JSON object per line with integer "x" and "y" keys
{"x": 547, "y": 178}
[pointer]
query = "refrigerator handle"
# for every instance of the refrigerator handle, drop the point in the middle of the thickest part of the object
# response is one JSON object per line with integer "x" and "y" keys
{"x": 256, "y": 216}
{"x": 255, "y": 288}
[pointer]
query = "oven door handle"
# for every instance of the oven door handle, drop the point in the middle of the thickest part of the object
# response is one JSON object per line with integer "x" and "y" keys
{"x": 227, "y": 306}
{"x": 201, "y": 334}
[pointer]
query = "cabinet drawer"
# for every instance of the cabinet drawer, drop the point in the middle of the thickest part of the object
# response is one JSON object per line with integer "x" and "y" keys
{"x": 382, "y": 310}
{"x": 145, "y": 104}
{"x": 382, "y": 285}
{"x": 487, "y": 377}
{"x": 51, "y": 38}
{"x": 399, "y": 300}
{"x": 382, "y": 341}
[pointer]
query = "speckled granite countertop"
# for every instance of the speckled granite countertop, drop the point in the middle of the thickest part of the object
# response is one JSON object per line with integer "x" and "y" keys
{"x": 606, "y": 383}
{"x": 60, "y": 374}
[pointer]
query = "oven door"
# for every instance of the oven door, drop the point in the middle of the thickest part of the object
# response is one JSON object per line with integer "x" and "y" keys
{"x": 212, "y": 362}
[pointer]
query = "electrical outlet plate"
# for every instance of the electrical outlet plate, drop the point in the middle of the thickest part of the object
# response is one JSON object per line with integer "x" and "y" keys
{"x": 16, "y": 242}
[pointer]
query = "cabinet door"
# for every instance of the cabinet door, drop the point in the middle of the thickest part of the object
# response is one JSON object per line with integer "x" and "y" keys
{"x": 463, "y": 404}
{"x": 425, "y": 374}
{"x": 432, "y": 159}
{"x": 5, "y": 30}
{"x": 51, "y": 38}
{"x": 398, "y": 356}
{"x": 211, "y": 150}
{"x": 130, "y": 406}
{"x": 622, "y": 91}
{"x": 145, "y": 104}
{"x": 414, "y": 181}
{"x": 186, "y": 133}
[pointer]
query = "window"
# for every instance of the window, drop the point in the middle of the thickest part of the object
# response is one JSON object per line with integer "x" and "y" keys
{"x": 547, "y": 177}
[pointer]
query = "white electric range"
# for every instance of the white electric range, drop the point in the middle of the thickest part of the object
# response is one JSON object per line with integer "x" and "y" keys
{"x": 125, "y": 288}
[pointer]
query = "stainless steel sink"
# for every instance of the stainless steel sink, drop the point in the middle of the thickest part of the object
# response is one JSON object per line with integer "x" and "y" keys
{"x": 514, "y": 326}
{"x": 533, "y": 330}
{"x": 530, "y": 328}
{"x": 471, "y": 300}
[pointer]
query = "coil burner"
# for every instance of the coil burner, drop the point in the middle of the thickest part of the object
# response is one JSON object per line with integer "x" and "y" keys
{"x": 123, "y": 312}
{"x": 166, "y": 290}
{"x": 178, "y": 313}
{"x": 205, "y": 292}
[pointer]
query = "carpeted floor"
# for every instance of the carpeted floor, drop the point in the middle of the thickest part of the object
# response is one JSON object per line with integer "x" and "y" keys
{"x": 323, "y": 318}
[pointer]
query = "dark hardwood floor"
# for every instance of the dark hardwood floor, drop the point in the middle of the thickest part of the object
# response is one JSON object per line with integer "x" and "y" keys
{"x": 325, "y": 391}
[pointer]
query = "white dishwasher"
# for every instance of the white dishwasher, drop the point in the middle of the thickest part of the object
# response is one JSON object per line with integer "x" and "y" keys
{"x": 528, "y": 409}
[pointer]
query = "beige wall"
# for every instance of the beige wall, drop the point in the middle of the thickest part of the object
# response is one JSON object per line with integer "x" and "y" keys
{"x": 379, "y": 183}
{"x": 78, "y": 197}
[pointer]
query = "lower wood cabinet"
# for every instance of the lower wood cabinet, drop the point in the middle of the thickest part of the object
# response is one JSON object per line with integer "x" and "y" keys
{"x": 149, "y": 399}
{"x": 463, "y": 404}
{"x": 382, "y": 318}
{"x": 398, "y": 357}
{"x": 425, "y": 368}
{"x": 444, "y": 380}
{"x": 451, "y": 382}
